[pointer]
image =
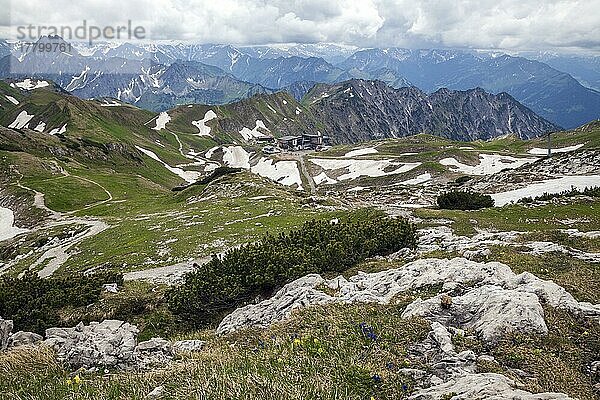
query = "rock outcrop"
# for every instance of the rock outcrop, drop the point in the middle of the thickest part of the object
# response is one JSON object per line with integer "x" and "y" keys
{"x": 109, "y": 343}
{"x": 6, "y": 327}
{"x": 482, "y": 386}
{"x": 453, "y": 375}
{"x": 24, "y": 339}
{"x": 489, "y": 310}
{"x": 487, "y": 297}
{"x": 442, "y": 238}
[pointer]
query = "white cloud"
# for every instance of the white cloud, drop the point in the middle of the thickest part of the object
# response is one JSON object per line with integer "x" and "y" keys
{"x": 501, "y": 24}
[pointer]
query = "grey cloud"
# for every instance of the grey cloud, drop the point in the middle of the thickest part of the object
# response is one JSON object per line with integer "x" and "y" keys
{"x": 487, "y": 24}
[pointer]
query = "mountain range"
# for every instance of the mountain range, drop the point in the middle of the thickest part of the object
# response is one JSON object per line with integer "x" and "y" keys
{"x": 161, "y": 76}
{"x": 348, "y": 112}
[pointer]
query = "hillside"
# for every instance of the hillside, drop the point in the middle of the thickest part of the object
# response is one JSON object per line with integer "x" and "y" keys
{"x": 335, "y": 266}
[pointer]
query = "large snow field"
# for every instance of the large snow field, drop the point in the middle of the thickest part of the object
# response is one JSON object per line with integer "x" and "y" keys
{"x": 489, "y": 164}
{"x": 550, "y": 186}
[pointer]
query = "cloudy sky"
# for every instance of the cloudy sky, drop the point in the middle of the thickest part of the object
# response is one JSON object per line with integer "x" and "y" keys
{"x": 559, "y": 25}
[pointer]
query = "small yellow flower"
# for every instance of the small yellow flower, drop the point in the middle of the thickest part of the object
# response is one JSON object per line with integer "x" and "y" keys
{"x": 297, "y": 341}
{"x": 77, "y": 379}
{"x": 69, "y": 382}
{"x": 316, "y": 341}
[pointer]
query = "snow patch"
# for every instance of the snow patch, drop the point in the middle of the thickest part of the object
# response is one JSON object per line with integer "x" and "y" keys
{"x": 236, "y": 157}
{"x": 29, "y": 84}
{"x": 489, "y": 164}
{"x": 283, "y": 172}
{"x": 110, "y": 103}
{"x": 8, "y": 230}
{"x": 60, "y": 130}
{"x": 12, "y": 100}
{"x": 248, "y": 134}
{"x": 201, "y": 124}
{"x": 361, "y": 152}
{"x": 22, "y": 120}
{"x": 418, "y": 180}
{"x": 357, "y": 168}
{"x": 40, "y": 127}
{"x": 188, "y": 176}
{"x": 323, "y": 178}
{"x": 542, "y": 152}
{"x": 161, "y": 121}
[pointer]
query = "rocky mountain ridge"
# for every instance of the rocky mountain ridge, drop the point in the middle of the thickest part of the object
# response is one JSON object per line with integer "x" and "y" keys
{"x": 551, "y": 93}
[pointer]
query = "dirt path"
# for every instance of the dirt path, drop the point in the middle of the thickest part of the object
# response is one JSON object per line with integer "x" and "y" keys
{"x": 304, "y": 171}
{"x": 59, "y": 254}
{"x": 178, "y": 141}
{"x": 55, "y": 256}
{"x": 168, "y": 275}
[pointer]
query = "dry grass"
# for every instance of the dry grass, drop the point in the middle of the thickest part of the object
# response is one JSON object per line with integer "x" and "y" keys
{"x": 321, "y": 353}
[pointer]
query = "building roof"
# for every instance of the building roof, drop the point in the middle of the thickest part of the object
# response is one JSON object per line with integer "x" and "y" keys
{"x": 289, "y": 138}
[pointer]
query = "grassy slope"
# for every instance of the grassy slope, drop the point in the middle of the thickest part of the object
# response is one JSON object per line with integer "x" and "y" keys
{"x": 144, "y": 214}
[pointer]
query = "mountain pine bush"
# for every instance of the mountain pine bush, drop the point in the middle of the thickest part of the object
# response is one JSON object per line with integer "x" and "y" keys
{"x": 258, "y": 269}
{"x": 35, "y": 304}
{"x": 464, "y": 200}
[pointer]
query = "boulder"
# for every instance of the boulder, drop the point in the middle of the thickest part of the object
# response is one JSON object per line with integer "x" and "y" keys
{"x": 24, "y": 339}
{"x": 6, "y": 327}
{"x": 489, "y": 310}
{"x": 154, "y": 352}
{"x": 188, "y": 346}
{"x": 109, "y": 343}
{"x": 481, "y": 386}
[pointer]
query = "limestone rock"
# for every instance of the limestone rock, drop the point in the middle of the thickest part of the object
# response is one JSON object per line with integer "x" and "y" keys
{"x": 489, "y": 310}
{"x": 157, "y": 393}
{"x": 6, "y": 327}
{"x": 487, "y": 386}
{"x": 300, "y": 293}
{"x": 109, "y": 343}
{"x": 154, "y": 352}
{"x": 188, "y": 346}
{"x": 494, "y": 300}
{"x": 24, "y": 339}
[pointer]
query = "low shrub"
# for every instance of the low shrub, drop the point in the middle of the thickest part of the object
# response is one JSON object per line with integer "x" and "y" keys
{"x": 464, "y": 200}
{"x": 258, "y": 269}
{"x": 463, "y": 179}
{"x": 35, "y": 304}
